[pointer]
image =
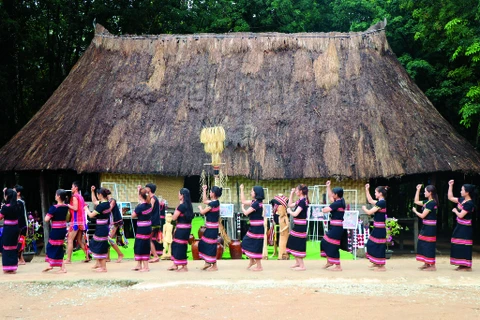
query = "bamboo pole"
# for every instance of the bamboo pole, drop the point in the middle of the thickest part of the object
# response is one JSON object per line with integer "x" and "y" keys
{"x": 44, "y": 203}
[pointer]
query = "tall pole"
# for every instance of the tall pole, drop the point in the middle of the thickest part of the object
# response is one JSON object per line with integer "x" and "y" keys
{"x": 44, "y": 203}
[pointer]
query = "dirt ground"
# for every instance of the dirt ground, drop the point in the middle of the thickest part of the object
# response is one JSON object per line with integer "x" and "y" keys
{"x": 235, "y": 293}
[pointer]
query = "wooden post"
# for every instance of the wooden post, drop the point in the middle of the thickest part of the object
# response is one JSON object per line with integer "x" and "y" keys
{"x": 44, "y": 203}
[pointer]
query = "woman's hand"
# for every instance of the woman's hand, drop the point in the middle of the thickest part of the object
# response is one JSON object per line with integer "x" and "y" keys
{"x": 367, "y": 186}
{"x": 241, "y": 187}
{"x": 328, "y": 183}
{"x": 419, "y": 186}
{"x": 92, "y": 188}
{"x": 450, "y": 183}
{"x": 204, "y": 188}
{"x": 292, "y": 191}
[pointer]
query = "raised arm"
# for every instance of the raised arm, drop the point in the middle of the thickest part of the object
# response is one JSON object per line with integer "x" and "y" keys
{"x": 205, "y": 210}
{"x": 94, "y": 196}
{"x": 417, "y": 196}
{"x": 329, "y": 193}
{"x": 204, "y": 193}
{"x": 450, "y": 192}
{"x": 242, "y": 196}
{"x": 291, "y": 203}
{"x": 367, "y": 193}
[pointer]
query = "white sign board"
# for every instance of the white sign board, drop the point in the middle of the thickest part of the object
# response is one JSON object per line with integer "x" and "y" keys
{"x": 226, "y": 210}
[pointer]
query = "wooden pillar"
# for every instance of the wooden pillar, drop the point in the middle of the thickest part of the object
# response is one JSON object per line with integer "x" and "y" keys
{"x": 44, "y": 203}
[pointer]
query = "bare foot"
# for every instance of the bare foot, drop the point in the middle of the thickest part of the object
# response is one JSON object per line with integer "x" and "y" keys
{"x": 327, "y": 265}
{"x": 96, "y": 266}
{"x": 144, "y": 270}
{"x": 108, "y": 260}
{"x": 462, "y": 268}
{"x": 153, "y": 260}
{"x": 423, "y": 267}
{"x": 337, "y": 268}
{"x": 257, "y": 269}
{"x": 184, "y": 269}
{"x": 172, "y": 268}
{"x": 373, "y": 265}
{"x": 430, "y": 268}
{"x": 100, "y": 270}
{"x": 380, "y": 268}
{"x": 9, "y": 272}
{"x": 299, "y": 268}
{"x": 136, "y": 269}
{"x": 206, "y": 266}
{"x": 120, "y": 258}
{"x": 47, "y": 269}
{"x": 61, "y": 271}
{"x": 67, "y": 262}
{"x": 213, "y": 268}
{"x": 250, "y": 265}
{"x": 87, "y": 260}
{"x": 295, "y": 266}
{"x": 22, "y": 262}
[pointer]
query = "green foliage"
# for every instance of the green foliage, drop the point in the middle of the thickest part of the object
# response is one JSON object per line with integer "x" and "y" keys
{"x": 437, "y": 42}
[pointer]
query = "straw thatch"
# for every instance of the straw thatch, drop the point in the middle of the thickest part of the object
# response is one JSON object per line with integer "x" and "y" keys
{"x": 292, "y": 105}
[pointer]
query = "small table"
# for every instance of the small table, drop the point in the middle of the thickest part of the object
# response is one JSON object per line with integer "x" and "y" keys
{"x": 414, "y": 223}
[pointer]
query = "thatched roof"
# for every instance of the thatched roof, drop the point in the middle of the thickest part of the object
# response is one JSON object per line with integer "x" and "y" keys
{"x": 293, "y": 106}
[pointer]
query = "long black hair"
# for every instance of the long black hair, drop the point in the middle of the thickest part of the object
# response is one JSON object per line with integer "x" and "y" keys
{"x": 10, "y": 197}
{"x": 259, "y": 193}
{"x": 217, "y": 191}
{"x": 187, "y": 201}
{"x": 470, "y": 188}
{"x": 431, "y": 188}
{"x": 383, "y": 190}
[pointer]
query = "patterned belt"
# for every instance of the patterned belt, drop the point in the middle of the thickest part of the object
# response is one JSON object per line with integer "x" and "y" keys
{"x": 144, "y": 223}
{"x": 211, "y": 224}
{"x": 338, "y": 223}
{"x": 256, "y": 223}
{"x": 430, "y": 222}
{"x": 379, "y": 224}
{"x": 184, "y": 225}
{"x": 11, "y": 222}
{"x": 460, "y": 221}
{"x": 102, "y": 221}
{"x": 300, "y": 221}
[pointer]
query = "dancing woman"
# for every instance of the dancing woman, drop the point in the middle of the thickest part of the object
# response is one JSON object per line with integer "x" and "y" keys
{"x": 297, "y": 240}
{"x": 57, "y": 216}
{"x": 427, "y": 239}
{"x": 116, "y": 222}
{"x": 376, "y": 245}
{"x": 462, "y": 237}
{"x": 330, "y": 245}
{"x": 141, "y": 248}
{"x": 10, "y": 232}
{"x": 99, "y": 244}
{"x": 208, "y": 244}
{"x": 252, "y": 243}
{"x": 184, "y": 216}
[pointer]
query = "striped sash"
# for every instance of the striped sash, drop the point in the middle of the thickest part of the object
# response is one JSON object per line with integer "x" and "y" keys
{"x": 101, "y": 222}
{"x": 462, "y": 241}
{"x": 212, "y": 225}
{"x": 180, "y": 241}
{"x": 147, "y": 223}
{"x": 298, "y": 234}
{"x": 427, "y": 239}
{"x": 11, "y": 222}
{"x": 300, "y": 222}
{"x": 184, "y": 225}
{"x": 254, "y": 235}
{"x": 256, "y": 223}
{"x": 464, "y": 222}
{"x": 430, "y": 222}
{"x": 208, "y": 240}
{"x": 337, "y": 223}
{"x": 379, "y": 225}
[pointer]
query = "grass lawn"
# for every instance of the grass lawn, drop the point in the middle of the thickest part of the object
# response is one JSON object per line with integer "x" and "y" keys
{"x": 313, "y": 248}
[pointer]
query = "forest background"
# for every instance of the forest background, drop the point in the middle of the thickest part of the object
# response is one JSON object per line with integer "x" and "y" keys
{"x": 438, "y": 42}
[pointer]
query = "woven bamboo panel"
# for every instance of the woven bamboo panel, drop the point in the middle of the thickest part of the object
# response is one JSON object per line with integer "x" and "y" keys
{"x": 284, "y": 186}
{"x": 167, "y": 187}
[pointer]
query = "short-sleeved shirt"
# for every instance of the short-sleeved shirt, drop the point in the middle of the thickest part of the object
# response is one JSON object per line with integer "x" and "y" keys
{"x": 214, "y": 214}
{"x": 182, "y": 218}
{"x": 9, "y": 213}
{"x": 302, "y": 203}
{"x": 468, "y": 206}
{"x": 258, "y": 213}
{"x": 338, "y": 209}
{"x": 431, "y": 206}
{"x": 103, "y": 210}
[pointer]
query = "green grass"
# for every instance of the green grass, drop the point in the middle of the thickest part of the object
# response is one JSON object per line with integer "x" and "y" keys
{"x": 313, "y": 248}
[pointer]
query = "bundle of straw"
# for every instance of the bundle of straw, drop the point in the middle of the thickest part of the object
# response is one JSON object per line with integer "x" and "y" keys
{"x": 213, "y": 139}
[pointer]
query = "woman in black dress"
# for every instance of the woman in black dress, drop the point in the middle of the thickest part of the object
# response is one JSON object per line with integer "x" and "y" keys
{"x": 10, "y": 232}
{"x": 143, "y": 213}
{"x": 462, "y": 237}
{"x": 427, "y": 239}
{"x": 252, "y": 243}
{"x": 184, "y": 216}
{"x": 297, "y": 240}
{"x": 377, "y": 242}
{"x": 208, "y": 244}
{"x": 99, "y": 244}
{"x": 330, "y": 245}
{"x": 57, "y": 216}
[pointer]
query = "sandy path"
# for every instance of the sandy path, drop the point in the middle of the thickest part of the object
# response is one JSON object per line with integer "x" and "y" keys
{"x": 235, "y": 293}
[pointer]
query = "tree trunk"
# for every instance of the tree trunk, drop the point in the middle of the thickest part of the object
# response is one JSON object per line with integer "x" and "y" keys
{"x": 44, "y": 202}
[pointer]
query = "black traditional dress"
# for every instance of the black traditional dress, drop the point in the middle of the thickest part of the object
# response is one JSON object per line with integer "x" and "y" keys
{"x": 156, "y": 225}
{"x": 9, "y": 237}
{"x": 56, "y": 237}
{"x": 99, "y": 244}
{"x": 427, "y": 239}
{"x": 376, "y": 245}
{"x": 141, "y": 247}
{"x": 208, "y": 244}
{"x": 297, "y": 240}
{"x": 180, "y": 237}
{"x": 330, "y": 244}
{"x": 252, "y": 243}
{"x": 462, "y": 237}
